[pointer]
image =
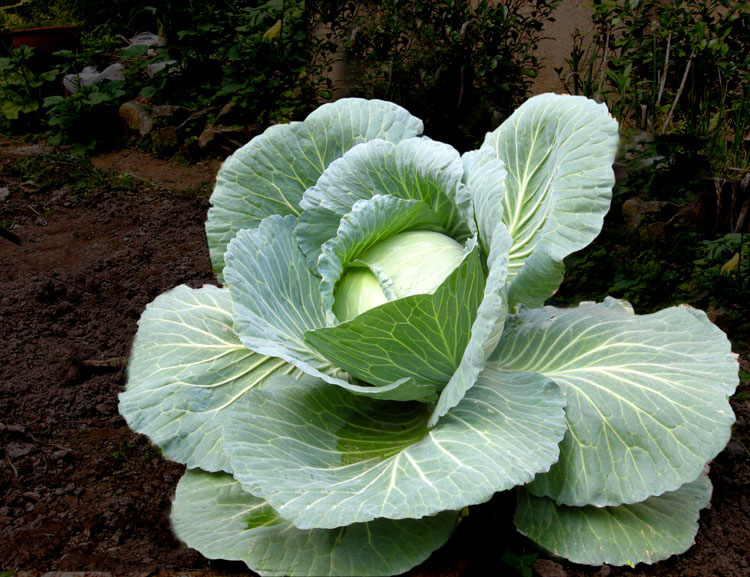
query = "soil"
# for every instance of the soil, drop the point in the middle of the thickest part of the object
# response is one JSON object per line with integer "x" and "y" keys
{"x": 79, "y": 491}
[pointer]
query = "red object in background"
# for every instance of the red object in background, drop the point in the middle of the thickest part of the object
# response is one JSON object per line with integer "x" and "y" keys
{"x": 47, "y": 39}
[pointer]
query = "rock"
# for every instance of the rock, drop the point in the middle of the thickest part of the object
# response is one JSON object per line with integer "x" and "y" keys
{"x": 136, "y": 117}
{"x": 228, "y": 115}
{"x": 547, "y": 568}
{"x": 4, "y": 193}
{"x": 635, "y": 211}
{"x": 169, "y": 114}
{"x": 222, "y": 139}
{"x": 104, "y": 409}
{"x": 195, "y": 123}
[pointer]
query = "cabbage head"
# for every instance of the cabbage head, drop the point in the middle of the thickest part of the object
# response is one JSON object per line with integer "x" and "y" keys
{"x": 379, "y": 356}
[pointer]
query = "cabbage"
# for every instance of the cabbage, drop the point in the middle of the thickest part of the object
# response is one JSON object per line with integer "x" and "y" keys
{"x": 408, "y": 263}
{"x": 380, "y": 356}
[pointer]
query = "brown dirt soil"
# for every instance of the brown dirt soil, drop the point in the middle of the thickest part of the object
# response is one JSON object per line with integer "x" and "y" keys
{"x": 79, "y": 491}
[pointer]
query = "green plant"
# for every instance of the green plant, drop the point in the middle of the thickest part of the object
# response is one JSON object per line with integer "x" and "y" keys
{"x": 321, "y": 445}
{"x": 261, "y": 58}
{"x": 22, "y": 88}
{"x": 38, "y": 13}
{"x": 9, "y": 18}
{"x": 71, "y": 171}
{"x": 722, "y": 271}
{"x": 453, "y": 61}
{"x": 670, "y": 67}
{"x": 85, "y": 117}
{"x": 522, "y": 564}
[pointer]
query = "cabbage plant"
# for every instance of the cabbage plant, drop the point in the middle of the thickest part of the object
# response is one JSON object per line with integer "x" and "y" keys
{"x": 379, "y": 356}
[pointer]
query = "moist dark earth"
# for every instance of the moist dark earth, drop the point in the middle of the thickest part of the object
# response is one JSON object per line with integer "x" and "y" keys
{"x": 79, "y": 491}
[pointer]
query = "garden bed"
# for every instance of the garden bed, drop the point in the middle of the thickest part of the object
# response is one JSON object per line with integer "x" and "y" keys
{"x": 80, "y": 491}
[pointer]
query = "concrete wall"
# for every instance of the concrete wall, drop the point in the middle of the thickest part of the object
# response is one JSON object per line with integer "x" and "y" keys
{"x": 571, "y": 14}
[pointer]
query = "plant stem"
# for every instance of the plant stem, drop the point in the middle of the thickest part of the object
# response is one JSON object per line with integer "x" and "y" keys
{"x": 679, "y": 92}
{"x": 664, "y": 72}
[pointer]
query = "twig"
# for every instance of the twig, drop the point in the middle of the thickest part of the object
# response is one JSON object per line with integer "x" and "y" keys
{"x": 679, "y": 92}
{"x": 22, "y": 431}
{"x": 36, "y": 212}
{"x": 105, "y": 280}
{"x": 664, "y": 72}
{"x": 70, "y": 284}
{"x": 15, "y": 481}
{"x": 605, "y": 57}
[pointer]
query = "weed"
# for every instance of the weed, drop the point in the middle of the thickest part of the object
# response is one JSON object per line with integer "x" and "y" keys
{"x": 72, "y": 172}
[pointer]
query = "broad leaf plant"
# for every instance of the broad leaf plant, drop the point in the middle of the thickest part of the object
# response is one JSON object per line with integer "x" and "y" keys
{"x": 379, "y": 356}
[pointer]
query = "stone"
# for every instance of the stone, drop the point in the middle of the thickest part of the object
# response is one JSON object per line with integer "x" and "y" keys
{"x": 636, "y": 212}
{"x": 229, "y": 114}
{"x": 169, "y": 114}
{"x": 136, "y": 117}
{"x": 222, "y": 139}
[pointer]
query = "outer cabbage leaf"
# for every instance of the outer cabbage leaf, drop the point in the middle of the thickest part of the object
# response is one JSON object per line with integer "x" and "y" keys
{"x": 558, "y": 153}
{"x": 324, "y": 458}
{"x": 647, "y": 396}
{"x": 415, "y": 168}
{"x": 268, "y": 175}
{"x": 186, "y": 369}
{"x": 644, "y": 532}
{"x": 213, "y": 514}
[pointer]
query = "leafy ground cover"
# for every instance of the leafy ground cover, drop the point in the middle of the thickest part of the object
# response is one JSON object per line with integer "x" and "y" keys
{"x": 80, "y": 491}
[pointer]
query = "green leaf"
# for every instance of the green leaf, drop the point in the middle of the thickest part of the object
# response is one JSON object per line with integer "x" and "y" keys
{"x": 134, "y": 51}
{"x": 415, "y": 168}
{"x": 644, "y": 532}
{"x": 325, "y": 458}
{"x": 484, "y": 178}
{"x": 420, "y": 336}
{"x": 97, "y": 97}
{"x": 212, "y": 514}
{"x": 187, "y": 368}
{"x": 647, "y": 396}
{"x": 53, "y": 100}
{"x": 269, "y": 174}
{"x": 369, "y": 222}
{"x": 558, "y": 153}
